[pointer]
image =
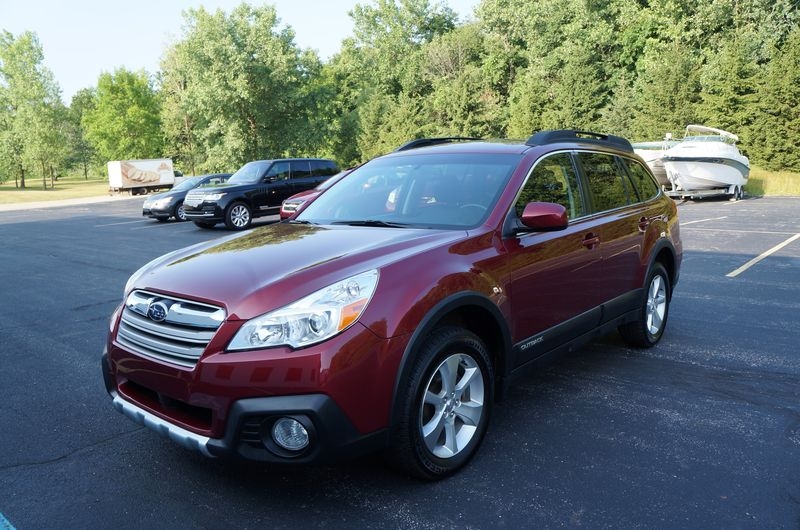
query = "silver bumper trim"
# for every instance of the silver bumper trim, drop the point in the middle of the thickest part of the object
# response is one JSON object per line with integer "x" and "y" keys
{"x": 177, "y": 434}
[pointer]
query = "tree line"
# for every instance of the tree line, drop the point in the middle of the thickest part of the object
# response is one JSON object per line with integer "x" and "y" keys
{"x": 236, "y": 87}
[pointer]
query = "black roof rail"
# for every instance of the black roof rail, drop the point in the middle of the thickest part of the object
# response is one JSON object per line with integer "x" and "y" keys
{"x": 572, "y": 135}
{"x": 424, "y": 142}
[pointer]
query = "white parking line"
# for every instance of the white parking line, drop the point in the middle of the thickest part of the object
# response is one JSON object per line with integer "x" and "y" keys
{"x": 122, "y": 223}
{"x": 755, "y": 260}
{"x": 175, "y": 225}
{"x": 704, "y": 220}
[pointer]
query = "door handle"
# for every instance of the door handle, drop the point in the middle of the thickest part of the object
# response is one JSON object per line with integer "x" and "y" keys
{"x": 591, "y": 240}
{"x": 644, "y": 222}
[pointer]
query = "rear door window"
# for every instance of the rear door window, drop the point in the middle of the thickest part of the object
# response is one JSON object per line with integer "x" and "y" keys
{"x": 607, "y": 181}
{"x": 300, "y": 169}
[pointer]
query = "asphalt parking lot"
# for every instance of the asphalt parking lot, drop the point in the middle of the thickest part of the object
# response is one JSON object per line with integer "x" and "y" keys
{"x": 702, "y": 431}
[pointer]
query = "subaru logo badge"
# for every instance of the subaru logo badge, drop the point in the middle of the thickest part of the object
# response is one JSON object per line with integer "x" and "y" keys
{"x": 157, "y": 311}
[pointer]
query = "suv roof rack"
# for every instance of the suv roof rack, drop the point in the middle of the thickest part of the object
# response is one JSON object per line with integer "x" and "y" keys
{"x": 572, "y": 135}
{"x": 424, "y": 142}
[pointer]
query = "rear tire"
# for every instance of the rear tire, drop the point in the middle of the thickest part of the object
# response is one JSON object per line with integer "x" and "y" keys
{"x": 446, "y": 405}
{"x": 649, "y": 325}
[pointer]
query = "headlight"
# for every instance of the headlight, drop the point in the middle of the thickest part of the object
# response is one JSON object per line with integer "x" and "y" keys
{"x": 161, "y": 203}
{"x": 315, "y": 318}
{"x": 212, "y": 196}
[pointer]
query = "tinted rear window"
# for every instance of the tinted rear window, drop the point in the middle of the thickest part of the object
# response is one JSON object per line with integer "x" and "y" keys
{"x": 606, "y": 181}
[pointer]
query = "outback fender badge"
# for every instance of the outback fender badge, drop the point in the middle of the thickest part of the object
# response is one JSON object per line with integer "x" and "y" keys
{"x": 157, "y": 311}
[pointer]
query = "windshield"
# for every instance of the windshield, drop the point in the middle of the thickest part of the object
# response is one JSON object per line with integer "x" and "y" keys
{"x": 250, "y": 173}
{"x": 327, "y": 183}
{"x": 422, "y": 190}
{"x": 187, "y": 184}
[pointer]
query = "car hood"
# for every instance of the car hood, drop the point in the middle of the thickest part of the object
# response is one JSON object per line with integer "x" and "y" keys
{"x": 164, "y": 195}
{"x": 269, "y": 267}
{"x": 303, "y": 196}
{"x": 224, "y": 187}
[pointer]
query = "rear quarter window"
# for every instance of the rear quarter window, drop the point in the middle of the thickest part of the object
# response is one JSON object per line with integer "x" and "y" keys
{"x": 323, "y": 168}
{"x": 643, "y": 183}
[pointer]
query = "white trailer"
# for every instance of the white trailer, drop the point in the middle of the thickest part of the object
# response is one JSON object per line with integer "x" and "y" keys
{"x": 140, "y": 176}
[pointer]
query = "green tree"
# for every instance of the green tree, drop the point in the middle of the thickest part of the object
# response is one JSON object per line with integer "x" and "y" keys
{"x": 667, "y": 90}
{"x": 389, "y": 33}
{"x": 124, "y": 123}
{"x": 462, "y": 100}
{"x": 728, "y": 85}
{"x": 237, "y": 88}
{"x": 81, "y": 153}
{"x": 379, "y": 76}
{"x": 31, "y": 127}
{"x": 775, "y": 135}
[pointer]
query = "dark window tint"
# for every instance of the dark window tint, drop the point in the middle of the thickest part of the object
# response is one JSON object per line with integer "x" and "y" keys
{"x": 642, "y": 181}
{"x": 323, "y": 168}
{"x": 606, "y": 181}
{"x": 279, "y": 171}
{"x": 553, "y": 180}
{"x": 300, "y": 169}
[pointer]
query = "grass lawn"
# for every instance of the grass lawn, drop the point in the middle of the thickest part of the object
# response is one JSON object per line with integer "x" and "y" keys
{"x": 773, "y": 183}
{"x": 64, "y": 189}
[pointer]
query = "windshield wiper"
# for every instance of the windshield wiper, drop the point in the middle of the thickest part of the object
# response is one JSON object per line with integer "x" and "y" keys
{"x": 371, "y": 222}
{"x": 298, "y": 222}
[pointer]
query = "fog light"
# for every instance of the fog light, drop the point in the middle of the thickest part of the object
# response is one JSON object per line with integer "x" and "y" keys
{"x": 290, "y": 434}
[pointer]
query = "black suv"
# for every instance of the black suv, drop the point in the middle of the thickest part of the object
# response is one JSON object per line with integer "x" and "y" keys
{"x": 258, "y": 188}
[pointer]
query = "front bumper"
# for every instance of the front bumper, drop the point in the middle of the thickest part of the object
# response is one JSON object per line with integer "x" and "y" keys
{"x": 205, "y": 211}
{"x": 247, "y": 432}
{"x": 156, "y": 212}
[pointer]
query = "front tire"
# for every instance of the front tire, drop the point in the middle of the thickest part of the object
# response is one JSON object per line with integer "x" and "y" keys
{"x": 179, "y": 213}
{"x": 446, "y": 405}
{"x": 238, "y": 216}
{"x": 649, "y": 325}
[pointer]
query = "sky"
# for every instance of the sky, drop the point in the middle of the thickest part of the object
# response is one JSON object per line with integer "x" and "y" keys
{"x": 83, "y": 38}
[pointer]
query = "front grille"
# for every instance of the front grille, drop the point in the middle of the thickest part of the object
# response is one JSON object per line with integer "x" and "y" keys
{"x": 169, "y": 329}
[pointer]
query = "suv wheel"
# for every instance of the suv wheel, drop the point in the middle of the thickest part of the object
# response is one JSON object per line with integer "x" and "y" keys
{"x": 446, "y": 405}
{"x": 238, "y": 216}
{"x": 647, "y": 329}
{"x": 179, "y": 213}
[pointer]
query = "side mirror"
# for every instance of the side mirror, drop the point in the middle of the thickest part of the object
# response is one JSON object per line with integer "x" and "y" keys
{"x": 544, "y": 217}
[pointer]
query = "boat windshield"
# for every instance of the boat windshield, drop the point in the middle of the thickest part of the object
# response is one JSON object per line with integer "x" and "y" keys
{"x": 699, "y": 133}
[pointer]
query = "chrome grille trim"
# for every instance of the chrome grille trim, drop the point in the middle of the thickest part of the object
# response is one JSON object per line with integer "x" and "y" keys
{"x": 179, "y": 339}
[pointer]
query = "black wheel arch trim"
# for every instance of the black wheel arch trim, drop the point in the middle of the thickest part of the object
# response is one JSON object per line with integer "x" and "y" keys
{"x": 434, "y": 317}
{"x": 673, "y": 268}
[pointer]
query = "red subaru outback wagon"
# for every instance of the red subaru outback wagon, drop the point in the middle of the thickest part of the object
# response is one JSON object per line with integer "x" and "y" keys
{"x": 393, "y": 310}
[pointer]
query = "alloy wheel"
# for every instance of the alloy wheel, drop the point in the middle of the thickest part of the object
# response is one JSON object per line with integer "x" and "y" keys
{"x": 452, "y": 405}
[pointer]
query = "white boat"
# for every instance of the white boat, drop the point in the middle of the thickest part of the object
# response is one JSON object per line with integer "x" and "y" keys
{"x": 652, "y": 153}
{"x": 706, "y": 161}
